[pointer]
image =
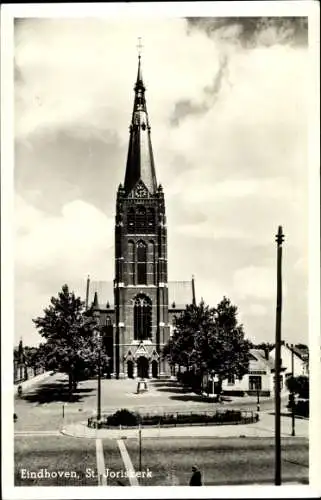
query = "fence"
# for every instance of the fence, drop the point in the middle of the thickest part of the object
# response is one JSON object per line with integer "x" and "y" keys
{"x": 179, "y": 419}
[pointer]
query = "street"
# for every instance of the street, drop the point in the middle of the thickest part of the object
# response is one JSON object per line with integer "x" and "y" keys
{"x": 44, "y": 456}
{"x": 222, "y": 461}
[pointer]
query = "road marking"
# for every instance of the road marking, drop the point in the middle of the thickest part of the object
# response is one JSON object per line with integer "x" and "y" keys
{"x": 102, "y": 480}
{"x": 128, "y": 463}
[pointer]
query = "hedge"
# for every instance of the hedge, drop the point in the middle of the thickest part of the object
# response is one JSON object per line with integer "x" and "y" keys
{"x": 126, "y": 418}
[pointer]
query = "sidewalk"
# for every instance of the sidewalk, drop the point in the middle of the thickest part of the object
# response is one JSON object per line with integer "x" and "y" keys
{"x": 263, "y": 428}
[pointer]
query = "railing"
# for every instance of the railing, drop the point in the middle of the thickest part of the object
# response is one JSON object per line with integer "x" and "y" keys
{"x": 180, "y": 419}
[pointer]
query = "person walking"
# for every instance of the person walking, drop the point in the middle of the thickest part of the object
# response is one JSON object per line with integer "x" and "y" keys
{"x": 196, "y": 479}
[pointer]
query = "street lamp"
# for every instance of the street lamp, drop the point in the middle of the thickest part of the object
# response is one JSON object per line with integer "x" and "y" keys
{"x": 258, "y": 396}
{"x": 279, "y": 240}
{"x": 96, "y": 316}
{"x": 292, "y": 393}
{"x": 99, "y": 379}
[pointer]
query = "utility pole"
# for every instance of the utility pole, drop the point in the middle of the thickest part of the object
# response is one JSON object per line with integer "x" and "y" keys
{"x": 99, "y": 380}
{"x": 140, "y": 447}
{"x": 279, "y": 240}
{"x": 96, "y": 316}
{"x": 292, "y": 393}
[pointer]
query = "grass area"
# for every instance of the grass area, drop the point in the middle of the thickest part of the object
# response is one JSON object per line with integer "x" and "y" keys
{"x": 64, "y": 454}
{"x": 31, "y": 418}
{"x": 222, "y": 461}
{"x": 54, "y": 454}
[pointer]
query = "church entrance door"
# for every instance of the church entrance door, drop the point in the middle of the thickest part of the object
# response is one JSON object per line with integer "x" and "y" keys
{"x": 154, "y": 369}
{"x": 142, "y": 367}
{"x": 130, "y": 369}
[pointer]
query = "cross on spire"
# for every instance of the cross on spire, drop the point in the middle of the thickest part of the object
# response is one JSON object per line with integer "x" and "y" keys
{"x": 139, "y": 46}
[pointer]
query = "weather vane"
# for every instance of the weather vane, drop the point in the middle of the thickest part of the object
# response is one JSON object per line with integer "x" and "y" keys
{"x": 139, "y": 46}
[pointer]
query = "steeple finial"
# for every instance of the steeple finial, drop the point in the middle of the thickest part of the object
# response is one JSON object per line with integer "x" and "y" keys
{"x": 139, "y": 82}
{"x": 139, "y": 47}
{"x": 140, "y": 160}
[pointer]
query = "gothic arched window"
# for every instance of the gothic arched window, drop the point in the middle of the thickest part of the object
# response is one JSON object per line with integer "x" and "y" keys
{"x": 142, "y": 318}
{"x": 131, "y": 220}
{"x": 140, "y": 219}
{"x": 151, "y": 220}
{"x": 131, "y": 262}
{"x": 141, "y": 263}
{"x": 152, "y": 263}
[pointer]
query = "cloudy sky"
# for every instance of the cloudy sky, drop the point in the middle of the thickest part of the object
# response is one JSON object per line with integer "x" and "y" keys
{"x": 227, "y": 100}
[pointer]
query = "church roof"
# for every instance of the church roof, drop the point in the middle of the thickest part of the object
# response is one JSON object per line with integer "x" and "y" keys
{"x": 104, "y": 291}
{"x": 260, "y": 356}
{"x": 140, "y": 160}
{"x": 180, "y": 293}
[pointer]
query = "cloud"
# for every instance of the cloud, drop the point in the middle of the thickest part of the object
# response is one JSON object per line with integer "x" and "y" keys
{"x": 227, "y": 102}
{"x": 253, "y": 31}
{"x": 258, "y": 282}
{"x": 70, "y": 241}
{"x": 208, "y": 99}
{"x": 257, "y": 310}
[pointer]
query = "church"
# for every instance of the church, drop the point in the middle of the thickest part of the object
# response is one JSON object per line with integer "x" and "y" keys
{"x": 136, "y": 311}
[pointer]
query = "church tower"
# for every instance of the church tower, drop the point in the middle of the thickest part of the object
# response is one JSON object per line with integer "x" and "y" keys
{"x": 140, "y": 285}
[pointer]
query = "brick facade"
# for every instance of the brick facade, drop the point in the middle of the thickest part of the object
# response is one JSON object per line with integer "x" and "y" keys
{"x": 137, "y": 320}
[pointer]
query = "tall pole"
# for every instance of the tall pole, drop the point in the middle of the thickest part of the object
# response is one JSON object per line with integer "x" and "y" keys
{"x": 140, "y": 448}
{"x": 292, "y": 393}
{"x": 96, "y": 316}
{"x": 279, "y": 240}
{"x": 99, "y": 380}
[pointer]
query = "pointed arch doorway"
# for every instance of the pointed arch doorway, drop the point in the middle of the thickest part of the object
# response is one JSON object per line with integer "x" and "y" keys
{"x": 142, "y": 367}
{"x": 154, "y": 369}
{"x": 130, "y": 369}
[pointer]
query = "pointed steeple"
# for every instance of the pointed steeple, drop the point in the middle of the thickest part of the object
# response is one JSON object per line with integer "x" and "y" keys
{"x": 140, "y": 160}
{"x": 95, "y": 304}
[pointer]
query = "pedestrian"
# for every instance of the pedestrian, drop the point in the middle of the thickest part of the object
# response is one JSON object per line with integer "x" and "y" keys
{"x": 196, "y": 479}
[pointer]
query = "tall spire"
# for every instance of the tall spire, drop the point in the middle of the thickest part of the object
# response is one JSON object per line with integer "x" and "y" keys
{"x": 140, "y": 160}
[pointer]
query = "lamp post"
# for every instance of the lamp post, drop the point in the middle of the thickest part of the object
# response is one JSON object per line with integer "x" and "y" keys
{"x": 99, "y": 379}
{"x": 292, "y": 393}
{"x": 96, "y": 316}
{"x": 258, "y": 396}
{"x": 140, "y": 447}
{"x": 279, "y": 240}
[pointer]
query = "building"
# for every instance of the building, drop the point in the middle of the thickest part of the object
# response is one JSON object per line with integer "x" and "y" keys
{"x": 136, "y": 310}
{"x": 291, "y": 354}
{"x": 259, "y": 378}
{"x": 22, "y": 370}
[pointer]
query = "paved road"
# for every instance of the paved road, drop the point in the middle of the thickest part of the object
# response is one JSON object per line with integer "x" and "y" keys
{"x": 39, "y": 446}
{"x": 169, "y": 461}
{"x": 42, "y": 407}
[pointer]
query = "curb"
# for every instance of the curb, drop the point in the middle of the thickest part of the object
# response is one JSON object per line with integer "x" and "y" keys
{"x": 81, "y": 430}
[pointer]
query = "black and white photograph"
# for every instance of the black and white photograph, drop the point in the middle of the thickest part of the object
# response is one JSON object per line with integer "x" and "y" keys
{"x": 160, "y": 329}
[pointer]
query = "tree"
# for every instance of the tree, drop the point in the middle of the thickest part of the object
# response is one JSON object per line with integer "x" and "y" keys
{"x": 223, "y": 348}
{"x": 299, "y": 385}
{"x": 71, "y": 346}
{"x": 209, "y": 340}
